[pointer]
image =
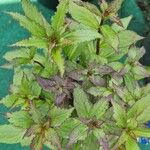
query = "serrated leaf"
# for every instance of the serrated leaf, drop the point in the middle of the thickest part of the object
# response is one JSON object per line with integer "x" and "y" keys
{"x": 129, "y": 82}
{"x": 35, "y": 114}
{"x": 31, "y": 11}
{"x": 119, "y": 115}
{"x": 94, "y": 9}
{"x": 136, "y": 53}
{"x": 99, "y": 109}
{"x": 66, "y": 128}
{"x": 58, "y": 58}
{"x": 58, "y": 115}
{"x": 143, "y": 132}
{"x": 144, "y": 117}
{"x": 35, "y": 89}
{"x": 28, "y": 24}
{"x": 10, "y": 134}
{"x": 127, "y": 38}
{"x": 117, "y": 66}
{"x": 110, "y": 36}
{"x": 17, "y": 78}
{"x": 19, "y": 53}
{"x": 139, "y": 72}
{"x": 121, "y": 140}
{"x": 125, "y": 22}
{"x": 20, "y": 119}
{"x": 131, "y": 144}
{"x": 26, "y": 141}
{"x": 59, "y": 17}
{"x": 132, "y": 123}
{"x": 103, "y": 5}
{"x": 33, "y": 42}
{"x": 53, "y": 138}
{"x": 83, "y": 35}
{"x": 99, "y": 133}
{"x": 98, "y": 91}
{"x": 37, "y": 143}
{"x": 115, "y": 5}
{"x": 78, "y": 13}
{"x": 81, "y": 103}
{"x": 9, "y": 100}
{"x": 90, "y": 142}
{"x": 78, "y": 133}
{"x": 139, "y": 107}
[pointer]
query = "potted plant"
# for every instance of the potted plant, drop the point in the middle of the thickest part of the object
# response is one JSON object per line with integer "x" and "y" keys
{"x": 76, "y": 80}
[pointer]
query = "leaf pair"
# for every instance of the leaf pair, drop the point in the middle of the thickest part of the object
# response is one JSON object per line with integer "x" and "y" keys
{"x": 85, "y": 109}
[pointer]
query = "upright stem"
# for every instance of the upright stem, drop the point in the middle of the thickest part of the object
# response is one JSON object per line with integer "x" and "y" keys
{"x": 98, "y": 40}
{"x": 98, "y": 43}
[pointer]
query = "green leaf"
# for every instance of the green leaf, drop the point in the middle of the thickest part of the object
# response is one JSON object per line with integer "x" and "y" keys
{"x": 98, "y": 91}
{"x": 125, "y": 22}
{"x": 33, "y": 42}
{"x": 143, "y": 132}
{"x": 103, "y": 5}
{"x": 21, "y": 119}
{"x": 9, "y": 100}
{"x": 66, "y": 128}
{"x": 119, "y": 115}
{"x": 136, "y": 53}
{"x": 36, "y": 115}
{"x": 117, "y": 66}
{"x": 59, "y": 115}
{"x": 110, "y": 36}
{"x": 37, "y": 142}
{"x": 99, "y": 133}
{"x": 132, "y": 123}
{"x": 131, "y": 144}
{"x": 99, "y": 109}
{"x": 81, "y": 103}
{"x": 115, "y": 5}
{"x": 53, "y": 138}
{"x": 58, "y": 58}
{"x": 92, "y": 8}
{"x": 83, "y": 35}
{"x": 90, "y": 143}
{"x": 144, "y": 117}
{"x": 28, "y": 24}
{"x": 35, "y": 89}
{"x": 31, "y": 12}
{"x": 10, "y": 134}
{"x": 140, "y": 72}
{"x": 78, "y": 133}
{"x": 59, "y": 17}
{"x": 121, "y": 140}
{"x": 26, "y": 141}
{"x": 130, "y": 82}
{"x": 83, "y": 15}
{"x": 139, "y": 108}
{"x": 127, "y": 38}
{"x": 19, "y": 53}
{"x": 17, "y": 78}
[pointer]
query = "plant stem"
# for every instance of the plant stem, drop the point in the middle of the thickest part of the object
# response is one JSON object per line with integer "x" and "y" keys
{"x": 98, "y": 40}
{"x": 98, "y": 44}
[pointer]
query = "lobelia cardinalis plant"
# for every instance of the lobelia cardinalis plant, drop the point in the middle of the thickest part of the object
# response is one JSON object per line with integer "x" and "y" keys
{"x": 76, "y": 80}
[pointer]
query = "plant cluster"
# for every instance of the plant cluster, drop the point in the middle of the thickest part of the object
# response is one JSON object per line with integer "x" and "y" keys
{"x": 76, "y": 83}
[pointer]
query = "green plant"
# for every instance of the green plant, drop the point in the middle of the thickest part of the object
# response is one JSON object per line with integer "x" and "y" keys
{"x": 76, "y": 80}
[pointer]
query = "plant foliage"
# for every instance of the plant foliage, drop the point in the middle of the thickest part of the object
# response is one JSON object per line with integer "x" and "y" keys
{"x": 76, "y": 80}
